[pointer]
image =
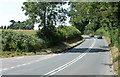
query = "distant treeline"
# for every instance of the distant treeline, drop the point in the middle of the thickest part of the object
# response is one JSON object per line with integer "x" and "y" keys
{"x": 19, "y": 25}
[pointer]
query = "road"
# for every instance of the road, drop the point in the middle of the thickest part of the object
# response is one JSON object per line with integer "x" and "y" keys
{"x": 92, "y": 57}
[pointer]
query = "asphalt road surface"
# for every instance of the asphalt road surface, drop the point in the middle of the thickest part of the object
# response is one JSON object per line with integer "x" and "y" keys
{"x": 92, "y": 57}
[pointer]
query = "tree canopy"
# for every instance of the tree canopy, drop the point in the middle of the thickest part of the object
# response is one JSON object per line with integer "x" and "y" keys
{"x": 88, "y": 17}
{"x": 21, "y": 25}
{"x": 45, "y": 13}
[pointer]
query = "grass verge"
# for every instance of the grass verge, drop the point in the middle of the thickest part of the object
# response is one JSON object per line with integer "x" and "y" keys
{"x": 114, "y": 53}
{"x": 61, "y": 47}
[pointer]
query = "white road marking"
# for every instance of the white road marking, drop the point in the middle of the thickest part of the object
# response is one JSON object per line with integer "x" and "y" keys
{"x": 18, "y": 65}
{"x": 70, "y": 63}
{"x": 28, "y": 63}
{"x": 5, "y": 69}
{"x": 13, "y": 58}
{"x": 19, "y": 57}
{"x": 49, "y": 56}
{"x": 66, "y": 65}
{"x": 12, "y": 67}
{"x": 24, "y": 64}
{"x": 37, "y": 60}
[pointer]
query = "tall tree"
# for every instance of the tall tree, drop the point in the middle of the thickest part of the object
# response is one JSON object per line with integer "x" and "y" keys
{"x": 21, "y": 25}
{"x": 45, "y": 13}
{"x": 12, "y": 24}
{"x": 5, "y": 27}
{"x": 100, "y": 15}
{"x": 1, "y": 27}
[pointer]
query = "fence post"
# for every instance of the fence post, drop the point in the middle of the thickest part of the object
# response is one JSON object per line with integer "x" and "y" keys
{"x": 28, "y": 45}
{"x": 66, "y": 38}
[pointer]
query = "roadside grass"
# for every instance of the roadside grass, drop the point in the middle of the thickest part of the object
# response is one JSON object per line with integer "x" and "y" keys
{"x": 114, "y": 53}
{"x": 64, "y": 45}
{"x": 61, "y": 47}
{"x": 119, "y": 65}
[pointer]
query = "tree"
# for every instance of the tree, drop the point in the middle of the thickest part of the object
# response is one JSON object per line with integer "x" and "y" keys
{"x": 77, "y": 15}
{"x": 1, "y": 27}
{"x": 45, "y": 13}
{"x": 8, "y": 27}
{"x": 5, "y": 27}
{"x": 21, "y": 25}
{"x": 99, "y": 15}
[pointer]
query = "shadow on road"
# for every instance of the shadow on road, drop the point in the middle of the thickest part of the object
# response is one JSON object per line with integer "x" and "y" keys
{"x": 107, "y": 64}
{"x": 104, "y": 46}
{"x": 82, "y": 50}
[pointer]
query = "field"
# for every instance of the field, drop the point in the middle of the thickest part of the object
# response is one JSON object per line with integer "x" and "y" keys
{"x": 25, "y": 31}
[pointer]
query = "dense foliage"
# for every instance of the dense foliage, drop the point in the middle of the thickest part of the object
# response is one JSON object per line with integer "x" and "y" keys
{"x": 56, "y": 35}
{"x": 18, "y": 41}
{"x": 45, "y": 13}
{"x": 21, "y": 25}
{"x": 3, "y": 27}
{"x": 97, "y": 18}
{"x": 101, "y": 18}
{"x": 22, "y": 42}
{"x": 68, "y": 32}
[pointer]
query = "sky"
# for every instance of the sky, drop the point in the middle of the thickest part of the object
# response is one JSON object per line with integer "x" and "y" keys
{"x": 11, "y": 10}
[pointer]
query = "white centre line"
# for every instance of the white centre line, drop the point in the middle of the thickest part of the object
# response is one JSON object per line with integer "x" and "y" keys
{"x": 5, "y": 69}
{"x": 69, "y": 63}
{"x": 19, "y": 57}
{"x": 52, "y": 55}
{"x": 12, "y": 67}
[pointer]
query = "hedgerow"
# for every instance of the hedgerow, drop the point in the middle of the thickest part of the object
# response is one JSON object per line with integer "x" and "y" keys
{"x": 68, "y": 32}
{"x": 17, "y": 41}
{"x": 56, "y": 35}
{"x": 20, "y": 42}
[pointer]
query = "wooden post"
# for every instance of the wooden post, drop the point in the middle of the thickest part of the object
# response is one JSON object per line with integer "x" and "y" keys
{"x": 28, "y": 45}
{"x": 66, "y": 38}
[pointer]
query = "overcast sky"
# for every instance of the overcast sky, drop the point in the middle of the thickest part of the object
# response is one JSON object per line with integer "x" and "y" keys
{"x": 11, "y": 10}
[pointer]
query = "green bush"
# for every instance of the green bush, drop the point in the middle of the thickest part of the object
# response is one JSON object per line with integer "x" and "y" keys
{"x": 49, "y": 35}
{"x": 87, "y": 32}
{"x": 54, "y": 35}
{"x": 20, "y": 42}
{"x": 102, "y": 31}
{"x": 17, "y": 41}
{"x": 68, "y": 31}
{"x": 114, "y": 37}
{"x": 90, "y": 28}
